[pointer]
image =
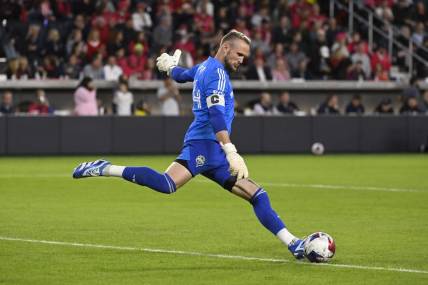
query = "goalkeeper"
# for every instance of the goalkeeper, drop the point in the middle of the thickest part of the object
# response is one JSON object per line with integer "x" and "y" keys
{"x": 207, "y": 148}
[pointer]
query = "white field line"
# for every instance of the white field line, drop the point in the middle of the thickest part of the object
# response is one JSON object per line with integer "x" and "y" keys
{"x": 201, "y": 254}
{"x": 269, "y": 184}
{"x": 331, "y": 187}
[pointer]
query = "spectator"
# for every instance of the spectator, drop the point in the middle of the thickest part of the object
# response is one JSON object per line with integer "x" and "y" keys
{"x": 141, "y": 19}
{"x": 294, "y": 57}
{"x": 162, "y": 34}
{"x": 355, "y": 106}
{"x": 135, "y": 62}
{"x": 24, "y": 69}
{"x": 41, "y": 105}
{"x": 410, "y": 106}
{"x": 401, "y": 56}
{"x": 384, "y": 107}
{"x": 264, "y": 106}
{"x": 424, "y": 104}
{"x": 381, "y": 57}
{"x": 257, "y": 42}
{"x": 339, "y": 60}
{"x": 360, "y": 55}
{"x": 123, "y": 100}
{"x": 401, "y": 12}
{"x": 204, "y": 22}
{"x": 12, "y": 69}
{"x": 355, "y": 42}
{"x": 53, "y": 45}
{"x": 238, "y": 109}
{"x": 285, "y": 105}
{"x": 329, "y": 106}
{"x": 116, "y": 42}
{"x": 259, "y": 71}
{"x": 419, "y": 34}
{"x": 278, "y": 54}
{"x": 169, "y": 97}
{"x": 301, "y": 72}
{"x": 85, "y": 98}
{"x": 33, "y": 43}
{"x": 50, "y": 69}
{"x": 319, "y": 54}
{"x": 7, "y": 106}
{"x": 207, "y": 6}
{"x": 94, "y": 46}
{"x": 72, "y": 68}
{"x": 75, "y": 39}
{"x": 420, "y": 12}
{"x": 222, "y": 20}
{"x": 95, "y": 68}
{"x": 280, "y": 72}
{"x": 422, "y": 51}
{"x": 187, "y": 45}
{"x": 282, "y": 32}
{"x": 142, "y": 109}
{"x": 139, "y": 42}
{"x": 112, "y": 71}
{"x": 356, "y": 72}
{"x": 380, "y": 74}
{"x": 384, "y": 11}
{"x": 412, "y": 90}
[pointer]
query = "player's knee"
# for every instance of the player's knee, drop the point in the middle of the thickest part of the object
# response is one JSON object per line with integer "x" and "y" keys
{"x": 248, "y": 186}
{"x": 230, "y": 182}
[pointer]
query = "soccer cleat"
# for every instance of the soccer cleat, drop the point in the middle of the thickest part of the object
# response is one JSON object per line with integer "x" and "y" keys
{"x": 297, "y": 248}
{"x": 90, "y": 169}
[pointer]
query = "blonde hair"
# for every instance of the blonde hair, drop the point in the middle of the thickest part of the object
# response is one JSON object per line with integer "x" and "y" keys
{"x": 234, "y": 34}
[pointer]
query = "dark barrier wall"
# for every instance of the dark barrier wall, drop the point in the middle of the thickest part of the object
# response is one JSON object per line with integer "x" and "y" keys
{"x": 156, "y": 135}
{"x": 3, "y": 136}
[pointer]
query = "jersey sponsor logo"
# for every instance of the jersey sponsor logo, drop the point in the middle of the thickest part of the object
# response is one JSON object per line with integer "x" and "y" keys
{"x": 200, "y": 160}
{"x": 215, "y": 99}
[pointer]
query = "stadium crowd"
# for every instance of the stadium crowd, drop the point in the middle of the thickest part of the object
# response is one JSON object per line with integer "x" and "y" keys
{"x": 291, "y": 39}
{"x": 120, "y": 39}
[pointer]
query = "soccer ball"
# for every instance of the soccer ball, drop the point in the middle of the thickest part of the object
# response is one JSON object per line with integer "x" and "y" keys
{"x": 319, "y": 247}
{"x": 317, "y": 148}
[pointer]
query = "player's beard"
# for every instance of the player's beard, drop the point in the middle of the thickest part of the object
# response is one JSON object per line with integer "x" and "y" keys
{"x": 228, "y": 65}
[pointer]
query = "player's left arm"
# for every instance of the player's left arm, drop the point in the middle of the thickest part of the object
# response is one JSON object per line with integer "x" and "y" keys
{"x": 181, "y": 74}
{"x": 216, "y": 109}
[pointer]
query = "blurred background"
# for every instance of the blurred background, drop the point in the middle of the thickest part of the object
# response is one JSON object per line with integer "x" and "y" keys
{"x": 349, "y": 74}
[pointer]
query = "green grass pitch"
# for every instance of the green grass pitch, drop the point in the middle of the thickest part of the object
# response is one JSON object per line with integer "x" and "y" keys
{"x": 375, "y": 207}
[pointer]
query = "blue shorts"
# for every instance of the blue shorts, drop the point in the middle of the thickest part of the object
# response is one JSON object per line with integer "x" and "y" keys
{"x": 206, "y": 157}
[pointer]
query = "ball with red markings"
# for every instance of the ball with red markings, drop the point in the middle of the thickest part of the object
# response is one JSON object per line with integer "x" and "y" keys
{"x": 319, "y": 247}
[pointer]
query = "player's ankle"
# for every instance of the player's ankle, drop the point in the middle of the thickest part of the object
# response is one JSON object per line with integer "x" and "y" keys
{"x": 113, "y": 170}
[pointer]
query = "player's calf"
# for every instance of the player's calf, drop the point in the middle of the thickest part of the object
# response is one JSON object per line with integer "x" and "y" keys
{"x": 146, "y": 176}
{"x": 259, "y": 199}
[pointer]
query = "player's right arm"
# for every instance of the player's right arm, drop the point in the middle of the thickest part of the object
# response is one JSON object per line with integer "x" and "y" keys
{"x": 216, "y": 109}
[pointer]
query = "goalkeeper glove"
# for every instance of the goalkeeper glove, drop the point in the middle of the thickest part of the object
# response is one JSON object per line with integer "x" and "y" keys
{"x": 166, "y": 62}
{"x": 237, "y": 165}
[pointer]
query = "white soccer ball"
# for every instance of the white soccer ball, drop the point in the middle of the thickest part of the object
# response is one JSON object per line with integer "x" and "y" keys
{"x": 317, "y": 148}
{"x": 319, "y": 247}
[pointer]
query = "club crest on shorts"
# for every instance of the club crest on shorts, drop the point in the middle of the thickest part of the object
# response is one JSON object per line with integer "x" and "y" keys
{"x": 200, "y": 160}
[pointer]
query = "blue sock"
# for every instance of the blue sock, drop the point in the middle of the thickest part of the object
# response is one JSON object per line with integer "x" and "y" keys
{"x": 264, "y": 212}
{"x": 148, "y": 177}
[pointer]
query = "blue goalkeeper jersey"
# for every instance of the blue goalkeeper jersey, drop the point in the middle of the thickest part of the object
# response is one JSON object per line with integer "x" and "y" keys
{"x": 211, "y": 89}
